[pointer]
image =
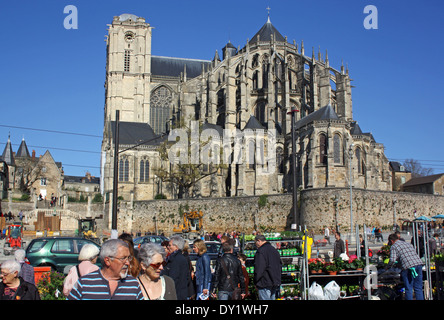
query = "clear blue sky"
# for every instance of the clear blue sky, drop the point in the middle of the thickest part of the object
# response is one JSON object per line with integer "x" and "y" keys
{"x": 53, "y": 78}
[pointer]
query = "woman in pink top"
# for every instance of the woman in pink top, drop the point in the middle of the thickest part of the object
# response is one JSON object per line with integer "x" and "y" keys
{"x": 88, "y": 257}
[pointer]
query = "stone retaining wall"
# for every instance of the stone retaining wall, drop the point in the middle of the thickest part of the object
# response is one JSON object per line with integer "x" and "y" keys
{"x": 317, "y": 209}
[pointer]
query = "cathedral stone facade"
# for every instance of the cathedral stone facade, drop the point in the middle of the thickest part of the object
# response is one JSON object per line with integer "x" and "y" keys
{"x": 264, "y": 85}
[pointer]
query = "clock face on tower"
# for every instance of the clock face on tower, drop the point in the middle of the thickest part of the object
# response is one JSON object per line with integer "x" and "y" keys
{"x": 129, "y": 36}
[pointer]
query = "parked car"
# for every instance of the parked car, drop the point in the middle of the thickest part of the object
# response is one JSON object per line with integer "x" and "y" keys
{"x": 56, "y": 252}
{"x": 152, "y": 238}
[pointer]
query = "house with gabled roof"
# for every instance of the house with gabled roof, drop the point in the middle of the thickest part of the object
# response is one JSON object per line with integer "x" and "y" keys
{"x": 433, "y": 184}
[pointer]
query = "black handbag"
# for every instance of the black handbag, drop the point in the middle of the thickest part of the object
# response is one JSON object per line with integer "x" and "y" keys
{"x": 236, "y": 295}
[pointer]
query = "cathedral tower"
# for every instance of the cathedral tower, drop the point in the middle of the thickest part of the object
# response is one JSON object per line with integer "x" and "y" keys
{"x": 128, "y": 69}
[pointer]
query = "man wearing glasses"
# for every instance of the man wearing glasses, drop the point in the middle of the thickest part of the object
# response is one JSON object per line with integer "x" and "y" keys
{"x": 112, "y": 282}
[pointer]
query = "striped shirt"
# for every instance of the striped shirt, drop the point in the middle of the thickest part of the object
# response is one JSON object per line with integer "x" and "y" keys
{"x": 94, "y": 286}
{"x": 406, "y": 254}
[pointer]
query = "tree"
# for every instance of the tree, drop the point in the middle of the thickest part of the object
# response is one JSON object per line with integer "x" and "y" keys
{"x": 186, "y": 174}
{"x": 415, "y": 167}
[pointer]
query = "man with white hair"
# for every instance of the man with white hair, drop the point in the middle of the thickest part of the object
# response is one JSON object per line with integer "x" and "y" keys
{"x": 177, "y": 267}
{"x": 112, "y": 282}
{"x": 26, "y": 270}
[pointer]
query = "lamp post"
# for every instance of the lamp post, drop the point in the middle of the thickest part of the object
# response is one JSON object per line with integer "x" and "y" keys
{"x": 394, "y": 214}
{"x": 350, "y": 154}
{"x": 293, "y": 165}
{"x": 336, "y": 201}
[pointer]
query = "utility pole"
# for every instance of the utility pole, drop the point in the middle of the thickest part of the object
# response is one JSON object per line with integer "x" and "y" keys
{"x": 294, "y": 164}
{"x": 114, "y": 232}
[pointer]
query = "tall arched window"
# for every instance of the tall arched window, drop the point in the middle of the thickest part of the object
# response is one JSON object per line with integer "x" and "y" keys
{"x": 337, "y": 156}
{"x": 124, "y": 170}
{"x": 144, "y": 170}
{"x": 280, "y": 159}
{"x": 251, "y": 154}
{"x": 358, "y": 159}
{"x": 161, "y": 99}
{"x": 322, "y": 148}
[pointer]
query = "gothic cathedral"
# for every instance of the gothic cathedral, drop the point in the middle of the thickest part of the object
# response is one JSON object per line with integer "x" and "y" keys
{"x": 266, "y": 84}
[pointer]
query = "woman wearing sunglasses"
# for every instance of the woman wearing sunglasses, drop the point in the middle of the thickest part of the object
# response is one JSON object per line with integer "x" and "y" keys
{"x": 154, "y": 286}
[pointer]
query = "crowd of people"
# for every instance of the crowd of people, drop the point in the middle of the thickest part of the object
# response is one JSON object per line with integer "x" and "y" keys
{"x": 165, "y": 272}
{"x": 153, "y": 272}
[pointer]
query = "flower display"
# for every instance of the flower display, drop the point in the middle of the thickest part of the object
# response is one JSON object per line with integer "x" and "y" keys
{"x": 50, "y": 286}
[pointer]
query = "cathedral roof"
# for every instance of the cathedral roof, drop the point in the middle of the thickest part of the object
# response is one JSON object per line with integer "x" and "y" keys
{"x": 173, "y": 67}
{"x": 216, "y": 127}
{"x": 132, "y": 133}
{"x": 264, "y": 33}
{"x": 23, "y": 150}
{"x": 253, "y": 124}
{"x": 325, "y": 113}
{"x": 8, "y": 155}
{"x": 355, "y": 129}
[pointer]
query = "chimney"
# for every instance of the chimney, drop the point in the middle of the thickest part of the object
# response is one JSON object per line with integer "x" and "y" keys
{"x": 33, "y": 154}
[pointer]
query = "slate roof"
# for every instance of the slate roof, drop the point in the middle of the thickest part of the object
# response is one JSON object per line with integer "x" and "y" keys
{"x": 216, "y": 127}
{"x": 325, "y": 113}
{"x": 265, "y": 33}
{"x": 8, "y": 154}
{"x": 355, "y": 129}
{"x": 396, "y": 166}
{"x": 423, "y": 180}
{"x": 131, "y": 133}
{"x": 77, "y": 179}
{"x": 173, "y": 67}
{"x": 253, "y": 124}
{"x": 23, "y": 151}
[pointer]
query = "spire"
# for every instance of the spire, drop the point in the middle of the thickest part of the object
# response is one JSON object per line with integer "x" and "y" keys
{"x": 216, "y": 57}
{"x": 8, "y": 155}
{"x": 23, "y": 150}
{"x": 327, "y": 64}
{"x": 264, "y": 34}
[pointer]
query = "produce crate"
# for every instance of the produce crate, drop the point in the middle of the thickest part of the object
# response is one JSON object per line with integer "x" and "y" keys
{"x": 39, "y": 272}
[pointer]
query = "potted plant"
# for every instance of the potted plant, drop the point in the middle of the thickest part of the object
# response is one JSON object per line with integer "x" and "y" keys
{"x": 315, "y": 265}
{"x": 340, "y": 264}
{"x": 331, "y": 269}
{"x": 360, "y": 264}
{"x": 384, "y": 253}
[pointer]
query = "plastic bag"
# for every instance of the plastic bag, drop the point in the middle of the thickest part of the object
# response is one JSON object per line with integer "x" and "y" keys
{"x": 332, "y": 291}
{"x": 315, "y": 292}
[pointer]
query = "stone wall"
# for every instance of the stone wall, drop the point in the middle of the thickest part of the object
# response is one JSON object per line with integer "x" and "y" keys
{"x": 373, "y": 208}
{"x": 317, "y": 209}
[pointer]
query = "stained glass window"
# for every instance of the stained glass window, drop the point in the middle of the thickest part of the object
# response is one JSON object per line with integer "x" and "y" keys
{"x": 161, "y": 99}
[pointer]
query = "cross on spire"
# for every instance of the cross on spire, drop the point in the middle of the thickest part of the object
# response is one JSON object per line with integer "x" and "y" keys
{"x": 268, "y": 9}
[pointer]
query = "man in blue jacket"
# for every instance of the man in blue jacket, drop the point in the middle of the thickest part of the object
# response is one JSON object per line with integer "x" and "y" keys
{"x": 267, "y": 269}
